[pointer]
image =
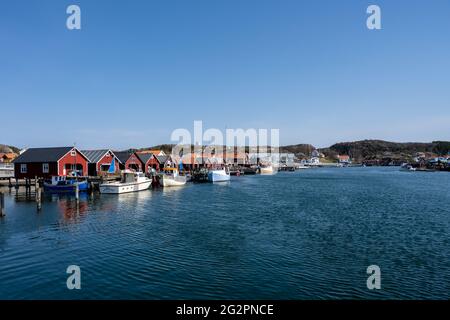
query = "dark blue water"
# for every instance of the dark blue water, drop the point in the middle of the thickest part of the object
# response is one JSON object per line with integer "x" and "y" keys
{"x": 303, "y": 235}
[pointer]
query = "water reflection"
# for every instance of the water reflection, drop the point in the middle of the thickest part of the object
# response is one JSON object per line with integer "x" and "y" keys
{"x": 302, "y": 235}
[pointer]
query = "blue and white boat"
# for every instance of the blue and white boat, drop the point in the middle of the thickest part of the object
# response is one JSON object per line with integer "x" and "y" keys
{"x": 63, "y": 184}
{"x": 220, "y": 175}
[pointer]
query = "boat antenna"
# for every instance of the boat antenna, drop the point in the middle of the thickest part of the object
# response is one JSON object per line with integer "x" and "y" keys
{"x": 75, "y": 159}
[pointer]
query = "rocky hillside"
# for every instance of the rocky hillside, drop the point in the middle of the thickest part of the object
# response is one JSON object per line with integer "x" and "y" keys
{"x": 300, "y": 150}
{"x": 378, "y": 149}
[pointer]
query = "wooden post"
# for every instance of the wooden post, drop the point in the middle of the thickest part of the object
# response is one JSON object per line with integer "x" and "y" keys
{"x": 38, "y": 198}
{"x": 2, "y": 204}
{"x": 77, "y": 192}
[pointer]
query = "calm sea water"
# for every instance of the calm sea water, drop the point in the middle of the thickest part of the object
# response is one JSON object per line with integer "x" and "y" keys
{"x": 303, "y": 235}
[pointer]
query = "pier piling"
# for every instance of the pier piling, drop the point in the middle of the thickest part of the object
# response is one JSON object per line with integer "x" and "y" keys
{"x": 38, "y": 198}
{"x": 2, "y": 204}
{"x": 77, "y": 193}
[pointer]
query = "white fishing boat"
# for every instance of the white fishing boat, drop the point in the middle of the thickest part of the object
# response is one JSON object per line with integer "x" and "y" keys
{"x": 220, "y": 175}
{"x": 407, "y": 167}
{"x": 266, "y": 169}
{"x": 130, "y": 182}
{"x": 171, "y": 178}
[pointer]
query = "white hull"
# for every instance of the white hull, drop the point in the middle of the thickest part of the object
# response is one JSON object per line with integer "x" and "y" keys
{"x": 267, "y": 170}
{"x": 119, "y": 187}
{"x": 218, "y": 176}
{"x": 167, "y": 181}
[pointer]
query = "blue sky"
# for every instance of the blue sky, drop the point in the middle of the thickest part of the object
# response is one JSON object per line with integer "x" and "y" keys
{"x": 137, "y": 70}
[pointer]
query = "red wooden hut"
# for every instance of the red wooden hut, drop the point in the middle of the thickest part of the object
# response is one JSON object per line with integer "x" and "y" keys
{"x": 100, "y": 162}
{"x": 48, "y": 162}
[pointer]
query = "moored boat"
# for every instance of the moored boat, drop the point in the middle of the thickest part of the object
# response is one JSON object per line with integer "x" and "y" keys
{"x": 171, "y": 178}
{"x": 65, "y": 184}
{"x": 220, "y": 175}
{"x": 266, "y": 169}
{"x": 407, "y": 167}
{"x": 130, "y": 182}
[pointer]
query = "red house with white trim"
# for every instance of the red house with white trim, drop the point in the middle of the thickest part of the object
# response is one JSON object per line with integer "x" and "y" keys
{"x": 48, "y": 162}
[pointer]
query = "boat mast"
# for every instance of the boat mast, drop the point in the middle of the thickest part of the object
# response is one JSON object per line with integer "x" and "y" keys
{"x": 75, "y": 160}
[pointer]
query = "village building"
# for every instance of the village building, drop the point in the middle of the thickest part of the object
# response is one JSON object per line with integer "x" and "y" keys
{"x": 101, "y": 162}
{"x": 188, "y": 161}
{"x": 134, "y": 163}
{"x": 148, "y": 161}
{"x": 163, "y": 161}
{"x": 287, "y": 159}
{"x": 123, "y": 157}
{"x": 344, "y": 159}
{"x": 7, "y": 157}
{"x": 48, "y": 162}
{"x": 315, "y": 154}
{"x": 158, "y": 153}
{"x": 314, "y": 161}
{"x": 236, "y": 158}
{"x": 155, "y": 152}
{"x": 129, "y": 161}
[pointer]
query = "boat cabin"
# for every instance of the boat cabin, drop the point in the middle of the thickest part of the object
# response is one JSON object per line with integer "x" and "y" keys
{"x": 129, "y": 176}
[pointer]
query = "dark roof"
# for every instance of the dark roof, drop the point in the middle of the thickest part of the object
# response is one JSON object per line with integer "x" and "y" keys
{"x": 95, "y": 156}
{"x": 123, "y": 155}
{"x": 144, "y": 157}
{"x": 42, "y": 155}
{"x": 162, "y": 159}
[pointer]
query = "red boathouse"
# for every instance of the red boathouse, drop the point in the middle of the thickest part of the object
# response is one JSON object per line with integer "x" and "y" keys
{"x": 134, "y": 163}
{"x": 149, "y": 161}
{"x": 48, "y": 162}
{"x": 100, "y": 162}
